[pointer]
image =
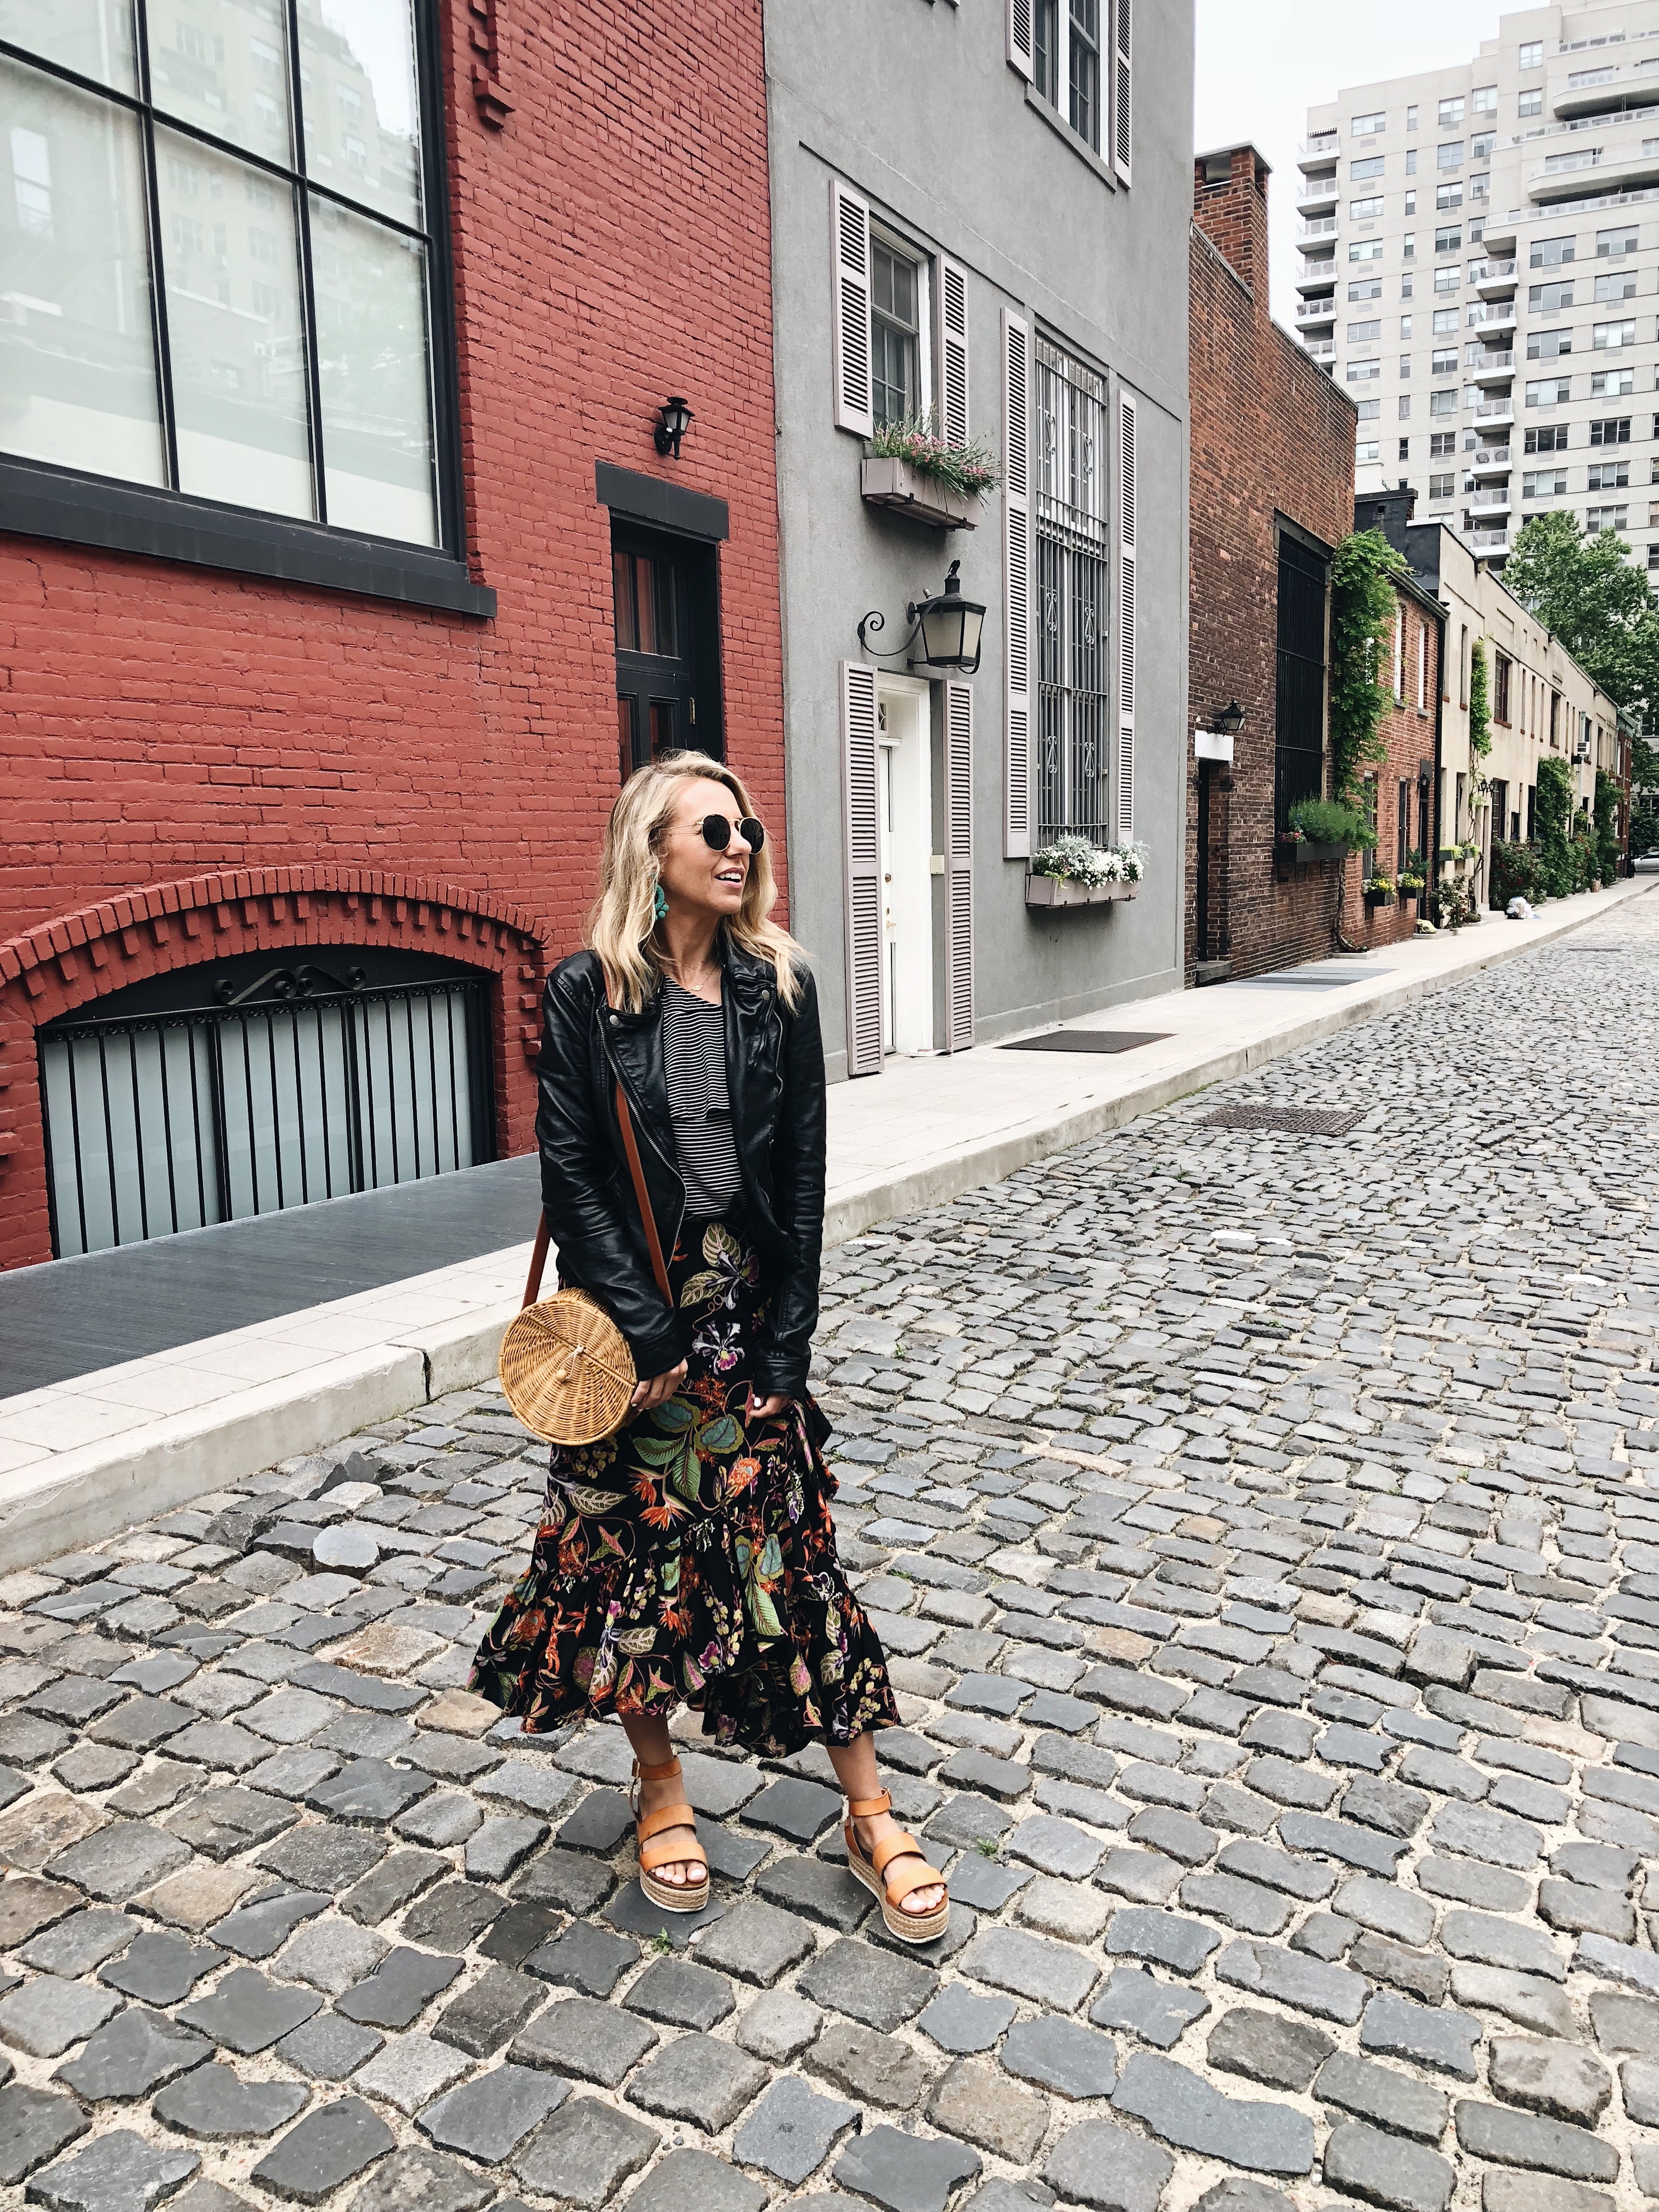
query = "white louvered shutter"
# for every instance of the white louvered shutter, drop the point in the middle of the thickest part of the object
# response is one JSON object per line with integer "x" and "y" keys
{"x": 1121, "y": 95}
{"x": 849, "y": 247}
{"x": 1015, "y": 587}
{"x": 859, "y": 800}
{"x": 1126, "y": 617}
{"x": 953, "y": 352}
{"x": 1019, "y": 36}
{"x": 959, "y": 865}
{"x": 1399, "y": 653}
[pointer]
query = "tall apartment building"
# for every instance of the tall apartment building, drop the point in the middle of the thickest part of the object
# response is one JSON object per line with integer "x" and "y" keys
{"x": 1479, "y": 269}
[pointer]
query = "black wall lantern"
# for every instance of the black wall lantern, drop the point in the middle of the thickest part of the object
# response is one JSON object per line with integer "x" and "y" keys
{"x": 1231, "y": 720}
{"x": 674, "y": 419}
{"x": 948, "y": 626}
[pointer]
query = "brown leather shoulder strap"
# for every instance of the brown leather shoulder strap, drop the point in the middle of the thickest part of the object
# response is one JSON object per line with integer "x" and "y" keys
{"x": 630, "y": 1146}
{"x": 532, "y": 1289}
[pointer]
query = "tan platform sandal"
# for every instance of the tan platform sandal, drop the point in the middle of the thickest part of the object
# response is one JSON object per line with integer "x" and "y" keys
{"x": 673, "y": 1897}
{"x": 872, "y": 1870}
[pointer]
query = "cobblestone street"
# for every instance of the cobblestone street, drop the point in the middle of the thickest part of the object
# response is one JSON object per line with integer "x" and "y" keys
{"x": 1264, "y": 1531}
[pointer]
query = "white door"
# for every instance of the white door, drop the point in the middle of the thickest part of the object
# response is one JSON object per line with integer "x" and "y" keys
{"x": 905, "y": 846}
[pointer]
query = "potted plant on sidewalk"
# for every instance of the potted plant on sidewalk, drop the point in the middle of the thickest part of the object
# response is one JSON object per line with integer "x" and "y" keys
{"x": 913, "y": 467}
{"x": 1075, "y": 872}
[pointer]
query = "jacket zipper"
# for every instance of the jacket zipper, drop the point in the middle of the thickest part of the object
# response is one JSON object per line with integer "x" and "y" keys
{"x": 645, "y": 1127}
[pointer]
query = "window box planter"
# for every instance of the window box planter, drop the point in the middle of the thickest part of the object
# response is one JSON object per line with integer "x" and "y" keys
{"x": 1305, "y": 854}
{"x": 896, "y": 484}
{"x": 1065, "y": 890}
{"x": 1379, "y": 898}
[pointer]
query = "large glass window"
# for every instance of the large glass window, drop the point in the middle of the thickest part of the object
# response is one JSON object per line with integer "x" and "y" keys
{"x": 1073, "y": 646}
{"x": 213, "y": 285}
{"x": 895, "y": 334}
{"x": 1066, "y": 57}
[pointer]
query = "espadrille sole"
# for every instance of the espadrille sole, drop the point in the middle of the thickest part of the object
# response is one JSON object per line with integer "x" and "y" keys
{"x": 907, "y": 1927}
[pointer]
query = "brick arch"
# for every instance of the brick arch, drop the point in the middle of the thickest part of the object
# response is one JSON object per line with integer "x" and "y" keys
{"x": 77, "y": 958}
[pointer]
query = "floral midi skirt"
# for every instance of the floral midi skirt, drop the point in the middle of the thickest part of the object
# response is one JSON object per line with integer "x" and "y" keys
{"x": 690, "y": 1559}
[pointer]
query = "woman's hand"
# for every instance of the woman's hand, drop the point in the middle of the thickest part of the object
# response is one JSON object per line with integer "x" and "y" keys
{"x": 648, "y": 1394}
{"x": 768, "y": 1409}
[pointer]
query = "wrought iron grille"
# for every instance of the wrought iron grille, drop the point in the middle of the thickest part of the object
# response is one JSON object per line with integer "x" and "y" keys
{"x": 301, "y": 1088}
{"x": 1073, "y": 645}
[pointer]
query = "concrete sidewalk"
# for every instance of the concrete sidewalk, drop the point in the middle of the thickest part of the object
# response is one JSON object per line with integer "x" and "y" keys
{"x": 81, "y": 1460}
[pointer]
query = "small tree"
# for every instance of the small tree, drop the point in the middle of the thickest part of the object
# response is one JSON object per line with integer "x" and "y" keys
{"x": 1364, "y": 608}
{"x": 1608, "y": 795}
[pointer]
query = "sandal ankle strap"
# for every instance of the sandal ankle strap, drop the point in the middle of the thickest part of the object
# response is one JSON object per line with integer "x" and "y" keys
{"x": 866, "y": 1808}
{"x": 663, "y": 1771}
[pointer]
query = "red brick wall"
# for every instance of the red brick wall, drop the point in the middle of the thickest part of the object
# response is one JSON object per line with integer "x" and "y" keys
{"x": 164, "y": 724}
{"x": 1270, "y": 432}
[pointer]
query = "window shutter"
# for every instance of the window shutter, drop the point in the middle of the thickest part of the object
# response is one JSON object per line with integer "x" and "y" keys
{"x": 959, "y": 865}
{"x": 1399, "y": 654}
{"x": 1120, "y": 89}
{"x": 849, "y": 243}
{"x": 1126, "y": 617}
{"x": 1423, "y": 666}
{"x": 953, "y": 352}
{"x": 1015, "y": 587}
{"x": 860, "y": 801}
{"x": 1019, "y": 36}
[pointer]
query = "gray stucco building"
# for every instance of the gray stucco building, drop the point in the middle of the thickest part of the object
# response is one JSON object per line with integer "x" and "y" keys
{"x": 980, "y": 216}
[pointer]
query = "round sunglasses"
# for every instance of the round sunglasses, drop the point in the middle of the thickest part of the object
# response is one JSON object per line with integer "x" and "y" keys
{"x": 717, "y": 832}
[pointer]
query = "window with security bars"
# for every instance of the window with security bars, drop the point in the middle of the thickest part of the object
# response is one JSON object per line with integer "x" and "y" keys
{"x": 1072, "y": 566}
{"x": 220, "y": 252}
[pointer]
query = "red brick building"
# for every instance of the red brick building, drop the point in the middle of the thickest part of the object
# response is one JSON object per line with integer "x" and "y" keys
{"x": 340, "y": 553}
{"x": 1271, "y": 473}
{"x": 1400, "y": 788}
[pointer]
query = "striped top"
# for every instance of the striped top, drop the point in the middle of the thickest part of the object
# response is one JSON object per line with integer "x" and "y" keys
{"x": 694, "y": 1049}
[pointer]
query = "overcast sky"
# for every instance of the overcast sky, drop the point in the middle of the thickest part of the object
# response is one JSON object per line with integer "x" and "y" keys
{"x": 1263, "y": 64}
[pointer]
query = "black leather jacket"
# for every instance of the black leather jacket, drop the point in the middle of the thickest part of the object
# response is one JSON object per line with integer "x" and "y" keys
{"x": 775, "y": 1074}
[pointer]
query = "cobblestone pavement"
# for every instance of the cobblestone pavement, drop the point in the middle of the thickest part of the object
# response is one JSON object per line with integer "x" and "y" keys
{"x": 1264, "y": 1530}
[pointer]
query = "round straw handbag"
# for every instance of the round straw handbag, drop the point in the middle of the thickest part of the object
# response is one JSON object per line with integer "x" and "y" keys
{"x": 567, "y": 1369}
{"x": 565, "y": 1365}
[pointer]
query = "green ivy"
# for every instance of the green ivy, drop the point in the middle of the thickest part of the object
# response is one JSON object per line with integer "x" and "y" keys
{"x": 1480, "y": 704}
{"x": 1559, "y": 865}
{"x": 1365, "y": 609}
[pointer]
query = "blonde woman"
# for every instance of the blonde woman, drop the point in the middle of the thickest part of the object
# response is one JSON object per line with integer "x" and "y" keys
{"x": 690, "y": 1558}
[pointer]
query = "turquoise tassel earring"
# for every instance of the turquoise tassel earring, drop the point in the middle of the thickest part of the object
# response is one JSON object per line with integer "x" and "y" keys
{"x": 660, "y": 910}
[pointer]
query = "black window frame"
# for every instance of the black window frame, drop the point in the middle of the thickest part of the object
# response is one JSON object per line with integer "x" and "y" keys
{"x": 1299, "y": 768}
{"x": 43, "y": 498}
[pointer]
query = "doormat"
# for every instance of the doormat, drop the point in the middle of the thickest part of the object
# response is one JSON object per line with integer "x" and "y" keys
{"x": 1292, "y": 1121}
{"x": 1087, "y": 1040}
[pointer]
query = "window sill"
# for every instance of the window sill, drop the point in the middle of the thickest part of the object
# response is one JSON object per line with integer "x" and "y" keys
{"x": 37, "y": 500}
{"x": 1061, "y": 129}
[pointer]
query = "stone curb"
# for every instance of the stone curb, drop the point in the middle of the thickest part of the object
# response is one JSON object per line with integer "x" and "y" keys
{"x": 80, "y": 1497}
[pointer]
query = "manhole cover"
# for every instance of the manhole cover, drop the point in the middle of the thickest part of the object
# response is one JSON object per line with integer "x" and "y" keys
{"x": 1086, "y": 1041}
{"x": 1293, "y": 1120}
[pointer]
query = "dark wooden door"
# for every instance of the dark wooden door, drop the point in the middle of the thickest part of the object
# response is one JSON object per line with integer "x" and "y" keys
{"x": 656, "y": 656}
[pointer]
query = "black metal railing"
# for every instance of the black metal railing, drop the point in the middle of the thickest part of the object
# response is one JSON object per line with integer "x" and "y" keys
{"x": 302, "y": 1088}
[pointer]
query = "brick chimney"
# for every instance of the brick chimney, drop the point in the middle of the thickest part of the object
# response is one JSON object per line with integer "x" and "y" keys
{"x": 1230, "y": 206}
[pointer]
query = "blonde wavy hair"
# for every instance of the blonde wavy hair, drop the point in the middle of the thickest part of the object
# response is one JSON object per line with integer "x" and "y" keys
{"x": 623, "y": 928}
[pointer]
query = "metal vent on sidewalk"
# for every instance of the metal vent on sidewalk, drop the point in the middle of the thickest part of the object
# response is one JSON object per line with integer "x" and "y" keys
{"x": 1086, "y": 1041}
{"x": 1292, "y": 1121}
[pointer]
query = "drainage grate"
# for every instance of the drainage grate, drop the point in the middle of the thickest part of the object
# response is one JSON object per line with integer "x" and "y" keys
{"x": 1087, "y": 1040}
{"x": 1293, "y": 1120}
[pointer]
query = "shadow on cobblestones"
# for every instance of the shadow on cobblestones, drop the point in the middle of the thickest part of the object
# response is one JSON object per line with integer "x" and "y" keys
{"x": 1264, "y": 1530}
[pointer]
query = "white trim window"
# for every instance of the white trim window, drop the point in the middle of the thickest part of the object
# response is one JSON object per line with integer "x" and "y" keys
{"x": 1073, "y": 570}
{"x": 1079, "y": 63}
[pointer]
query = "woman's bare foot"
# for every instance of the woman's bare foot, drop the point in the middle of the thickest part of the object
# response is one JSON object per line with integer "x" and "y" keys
{"x": 870, "y": 1829}
{"x": 678, "y": 1873}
